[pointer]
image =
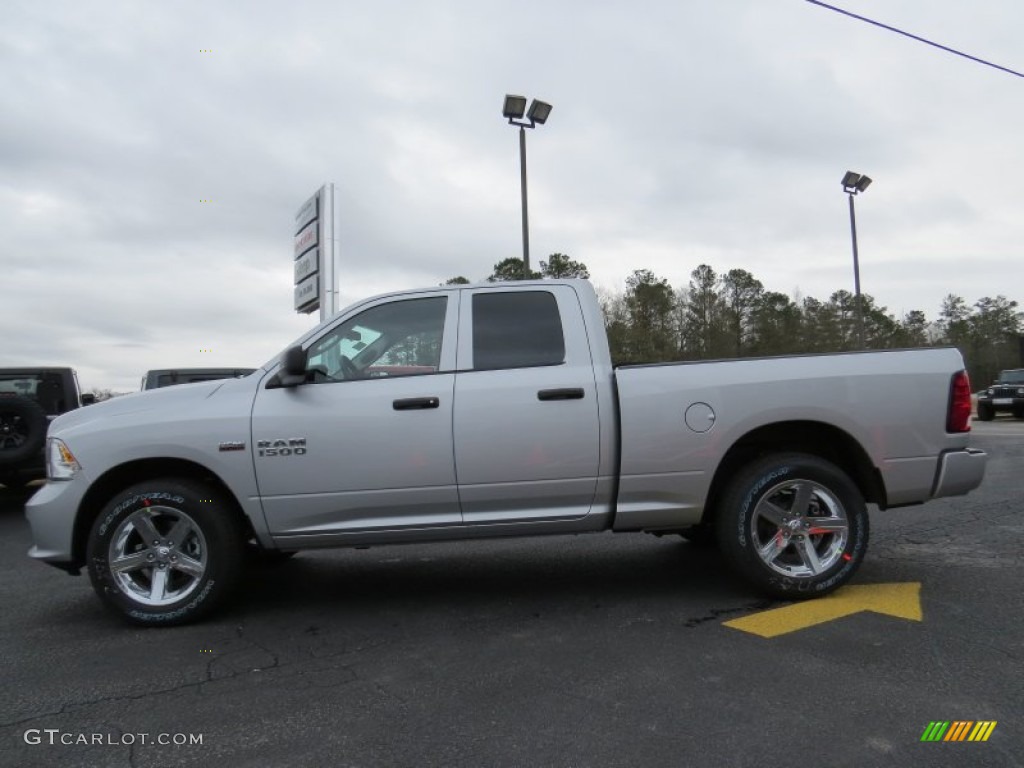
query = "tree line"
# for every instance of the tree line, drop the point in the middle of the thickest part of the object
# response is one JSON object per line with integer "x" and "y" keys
{"x": 731, "y": 314}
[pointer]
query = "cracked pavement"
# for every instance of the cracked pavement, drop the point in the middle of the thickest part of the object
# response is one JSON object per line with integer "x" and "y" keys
{"x": 569, "y": 651}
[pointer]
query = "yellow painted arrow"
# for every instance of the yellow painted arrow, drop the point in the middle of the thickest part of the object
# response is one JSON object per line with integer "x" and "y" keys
{"x": 900, "y": 600}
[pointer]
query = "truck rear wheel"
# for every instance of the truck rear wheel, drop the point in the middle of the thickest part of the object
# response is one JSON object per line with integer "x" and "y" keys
{"x": 793, "y": 525}
{"x": 165, "y": 552}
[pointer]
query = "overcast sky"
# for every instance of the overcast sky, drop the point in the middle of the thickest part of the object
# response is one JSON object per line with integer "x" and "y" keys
{"x": 682, "y": 133}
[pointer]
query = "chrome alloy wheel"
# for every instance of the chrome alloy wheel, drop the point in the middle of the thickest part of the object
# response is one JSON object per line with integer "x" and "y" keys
{"x": 799, "y": 529}
{"x": 158, "y": 555}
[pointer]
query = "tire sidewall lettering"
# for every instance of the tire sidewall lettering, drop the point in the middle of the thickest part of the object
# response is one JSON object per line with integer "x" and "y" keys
{"x": 751, "y": 499}
{"x": 177, "y": 613}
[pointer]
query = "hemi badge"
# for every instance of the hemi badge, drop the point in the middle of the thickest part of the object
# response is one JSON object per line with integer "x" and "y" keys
{"x": 232, "y": 445}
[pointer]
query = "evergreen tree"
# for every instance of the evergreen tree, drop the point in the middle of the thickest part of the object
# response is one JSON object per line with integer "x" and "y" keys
{"x": 559, "y": 265}
{"x": 511, "y": 268}
{"x": 649, "y": 304}
{"x": 741, "y": 295}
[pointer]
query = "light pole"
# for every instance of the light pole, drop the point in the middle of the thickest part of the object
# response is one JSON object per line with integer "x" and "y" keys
{"x": 514, "y": 109}
{"x": 852, "y": 184}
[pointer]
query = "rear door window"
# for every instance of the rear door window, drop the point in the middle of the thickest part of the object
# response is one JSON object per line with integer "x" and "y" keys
{"x": 518, "y": 329}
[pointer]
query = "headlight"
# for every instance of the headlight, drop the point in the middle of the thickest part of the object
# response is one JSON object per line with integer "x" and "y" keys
{"x": 1020, "y": 390}
{"x": 989, "y": 392}
{"x": 61, "y": 463}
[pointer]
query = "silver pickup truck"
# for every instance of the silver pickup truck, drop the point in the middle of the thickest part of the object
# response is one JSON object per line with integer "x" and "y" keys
{"x": 494, "y": 410}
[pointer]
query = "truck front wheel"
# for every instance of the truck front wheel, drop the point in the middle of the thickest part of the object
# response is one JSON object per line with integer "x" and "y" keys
{"x": 165, "y": 552}
{"x": 985, "y": 412}
{"x": 793, "y": 525}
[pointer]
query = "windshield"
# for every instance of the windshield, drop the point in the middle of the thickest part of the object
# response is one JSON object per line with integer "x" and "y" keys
{"x": 1012, "y": 377}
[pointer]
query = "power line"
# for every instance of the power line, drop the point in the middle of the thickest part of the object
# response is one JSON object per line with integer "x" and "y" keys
{"x": 915, "y": 37}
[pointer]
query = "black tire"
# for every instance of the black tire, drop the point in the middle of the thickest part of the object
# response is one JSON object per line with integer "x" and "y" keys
{"x": 771, "y": 541}
{"x": 178, "y": 539}
{"x": 985, "y": 412}
{"x": 23, "y": 425}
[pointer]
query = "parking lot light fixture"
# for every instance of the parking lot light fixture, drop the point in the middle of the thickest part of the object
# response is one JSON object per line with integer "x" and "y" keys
{"x": 539, "y": 111}
{"x": 513, "y": 110}
{"x": 853, "y": 183}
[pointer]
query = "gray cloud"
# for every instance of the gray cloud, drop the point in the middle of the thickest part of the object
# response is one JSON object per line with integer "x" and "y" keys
{"x": 681, "y": 134}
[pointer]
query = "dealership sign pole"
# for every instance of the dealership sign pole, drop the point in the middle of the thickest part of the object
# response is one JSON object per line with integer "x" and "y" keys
{"x": 316, "y": 254}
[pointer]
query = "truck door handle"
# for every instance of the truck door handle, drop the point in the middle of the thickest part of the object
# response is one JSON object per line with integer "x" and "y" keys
{"x": 415, "y": 403}
{"x": 566, "y": 393}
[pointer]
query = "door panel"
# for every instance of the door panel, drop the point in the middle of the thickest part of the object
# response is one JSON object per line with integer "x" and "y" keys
{"x": 374, "y": 425}
{"x": 366, "y": 465}
{"x": 527, "y": 443}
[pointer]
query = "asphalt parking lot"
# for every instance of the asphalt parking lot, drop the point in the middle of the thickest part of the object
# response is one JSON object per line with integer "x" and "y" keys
{"x": 597, "y": 650}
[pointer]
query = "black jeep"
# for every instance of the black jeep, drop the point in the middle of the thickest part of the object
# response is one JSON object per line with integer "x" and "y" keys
{"x": 1006, "y": 394}
{"x": 29, "y": 399}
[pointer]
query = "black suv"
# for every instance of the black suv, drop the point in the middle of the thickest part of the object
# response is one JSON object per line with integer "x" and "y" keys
{"x": 1007, "y": 394}
{"x": 29, "y": 399}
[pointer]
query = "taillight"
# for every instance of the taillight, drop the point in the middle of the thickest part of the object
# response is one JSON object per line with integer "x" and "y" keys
{"x": 958, "y": 419}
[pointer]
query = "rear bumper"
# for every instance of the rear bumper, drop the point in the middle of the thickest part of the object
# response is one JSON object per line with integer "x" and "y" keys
{"x": 959, "y": 472}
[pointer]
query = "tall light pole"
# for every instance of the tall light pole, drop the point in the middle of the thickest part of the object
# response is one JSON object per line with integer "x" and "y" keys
{"x": 514, "y": 109}
{"x": 852, "y": 184}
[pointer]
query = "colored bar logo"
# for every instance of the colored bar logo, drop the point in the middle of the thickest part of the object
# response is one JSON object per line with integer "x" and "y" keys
{"x": 958, "y": 730}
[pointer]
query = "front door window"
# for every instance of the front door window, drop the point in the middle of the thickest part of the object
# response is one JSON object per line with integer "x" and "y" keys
{"x": 402, "y": 338}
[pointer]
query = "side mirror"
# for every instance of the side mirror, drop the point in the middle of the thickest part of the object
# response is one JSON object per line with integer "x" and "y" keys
{"x": 88, "y": 398}
{"x": 293, "y": 369}
{"x": 294, "y": 361}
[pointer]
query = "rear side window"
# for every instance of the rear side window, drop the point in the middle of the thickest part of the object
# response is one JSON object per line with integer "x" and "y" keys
{"x": 45, "y": 388}
{"x": 520, "y": 329}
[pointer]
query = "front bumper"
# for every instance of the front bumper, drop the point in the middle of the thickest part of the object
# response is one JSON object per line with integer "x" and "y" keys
{"x": 51, "y": 515}
{"x": 960, "y": 472}
{"x": 1003, "y": 404}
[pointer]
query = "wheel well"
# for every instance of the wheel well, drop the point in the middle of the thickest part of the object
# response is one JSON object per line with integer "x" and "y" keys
{"x": 120, "y": 477}
{"x": 812, "y": 437}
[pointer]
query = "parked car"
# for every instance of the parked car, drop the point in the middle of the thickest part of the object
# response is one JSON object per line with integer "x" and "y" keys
{"x": 510, "y": 421}
{"x": 169, "y": 376}
{"x": 1005, "y": 395}
{"x": 29, "y": 399}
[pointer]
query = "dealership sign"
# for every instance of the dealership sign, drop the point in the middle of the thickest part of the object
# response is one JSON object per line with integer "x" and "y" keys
{"x": 307, "y": 237}
{"x": 307, "y": 294}
{"x": 314, "y": 254}
{"x": 307, "y": 265}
